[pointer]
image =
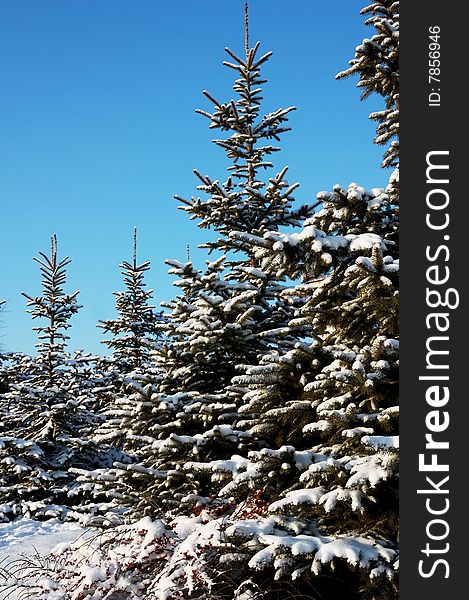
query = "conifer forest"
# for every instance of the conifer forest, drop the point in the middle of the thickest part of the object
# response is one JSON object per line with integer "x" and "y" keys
{"x": 240, "y": 441}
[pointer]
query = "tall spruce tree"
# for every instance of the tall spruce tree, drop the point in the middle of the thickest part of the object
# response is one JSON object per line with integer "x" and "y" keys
{"x": 232, "y": 312}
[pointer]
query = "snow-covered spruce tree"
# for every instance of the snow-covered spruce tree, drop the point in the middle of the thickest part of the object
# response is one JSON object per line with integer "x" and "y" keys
{"x": 232, "y": 312}
{"x": 129, "y": 375}
{"x": 50, "y": 412}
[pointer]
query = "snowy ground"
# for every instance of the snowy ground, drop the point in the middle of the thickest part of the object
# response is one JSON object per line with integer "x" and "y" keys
{"x": 29, "y": 537}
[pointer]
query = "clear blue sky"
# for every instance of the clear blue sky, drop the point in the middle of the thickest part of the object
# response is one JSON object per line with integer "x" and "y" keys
{"x": 98, "y": 131}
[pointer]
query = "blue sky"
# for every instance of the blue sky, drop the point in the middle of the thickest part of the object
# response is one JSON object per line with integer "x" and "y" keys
{"x": 99, "y": 131}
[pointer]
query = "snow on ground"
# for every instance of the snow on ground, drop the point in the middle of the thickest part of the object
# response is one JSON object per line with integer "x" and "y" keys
{"x": 26, "y": 536}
